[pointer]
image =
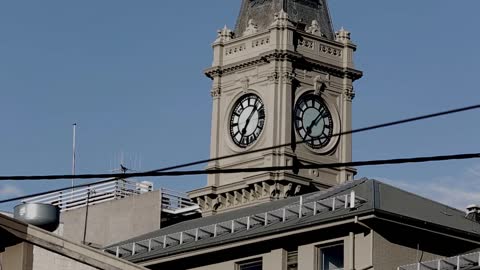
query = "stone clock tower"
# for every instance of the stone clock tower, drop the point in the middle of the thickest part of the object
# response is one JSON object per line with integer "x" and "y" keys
{"x": 284, "y": 78}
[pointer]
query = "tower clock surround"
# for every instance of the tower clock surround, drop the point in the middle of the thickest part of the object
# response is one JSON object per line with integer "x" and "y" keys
{"x": 225, "y": 132}
{"x": 247, "y": 120}
{"x": 270, "y": 56}
{"x": 329, "y": 103}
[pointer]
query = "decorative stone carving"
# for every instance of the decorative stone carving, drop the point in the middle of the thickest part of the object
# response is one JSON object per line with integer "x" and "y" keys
{"x": 315, "y": 29}
{"x": 274, "y": 76}
{"x": 281, "y": 19}
{"x": 342, "y": 36}
{"x": 235, "y": 49}
{"x": 309, "y": 44}
{"x": 275, "y": 192}
{"x": 288, "y": 76}
{"x": 349, "y": 93}
{"x": 331, "y": 51}
{"x": 252, "y": 28}
{"x": 319, "y": 85}
{"x": 245, "y": 84}
{"x": 216, "y": 92}
{"x": 260, "y": 42}
{"x": 224, "y": 34}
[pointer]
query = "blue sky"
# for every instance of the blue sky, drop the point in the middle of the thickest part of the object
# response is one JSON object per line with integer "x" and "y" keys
{"x": 130, "y": 74}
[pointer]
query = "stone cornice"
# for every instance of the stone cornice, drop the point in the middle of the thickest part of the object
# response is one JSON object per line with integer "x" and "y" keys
{"x": 282, "y": 55}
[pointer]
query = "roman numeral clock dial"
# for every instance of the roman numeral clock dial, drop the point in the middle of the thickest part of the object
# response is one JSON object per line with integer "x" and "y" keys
{"x": 313, "y": 121}
{"x": 247, "y": 120}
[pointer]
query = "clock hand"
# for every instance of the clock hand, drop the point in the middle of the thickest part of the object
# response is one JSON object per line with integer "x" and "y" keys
{"x": 244, "y": 130}
{"x": 314, "y": 123}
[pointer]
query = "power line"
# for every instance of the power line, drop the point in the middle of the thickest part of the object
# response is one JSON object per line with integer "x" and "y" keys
{"x": 389, "y": 124}
{"x": 260, "y": 169}
{"x": 246, "y": 170}
{"x": 157, "y": 172}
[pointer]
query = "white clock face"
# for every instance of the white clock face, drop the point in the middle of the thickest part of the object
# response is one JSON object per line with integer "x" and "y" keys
{"x": 313, "y": 121}
{"x": 247, "y": 120}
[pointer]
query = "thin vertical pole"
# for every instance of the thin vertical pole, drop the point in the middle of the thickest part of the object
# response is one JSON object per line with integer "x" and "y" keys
{"x": 86, "y": 217}
{"x": 74, "y": 153}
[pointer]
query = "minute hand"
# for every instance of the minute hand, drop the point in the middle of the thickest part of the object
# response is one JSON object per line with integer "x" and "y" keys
{"x": 244, "y": 130}
{"x": 314, "y": 123}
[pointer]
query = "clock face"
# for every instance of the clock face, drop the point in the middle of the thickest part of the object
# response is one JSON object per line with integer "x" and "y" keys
{"x": 247, "y": 120}
{"x": 313, "y": 121}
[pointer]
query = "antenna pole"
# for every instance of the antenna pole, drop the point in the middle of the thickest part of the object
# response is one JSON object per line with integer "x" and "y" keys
{"x": 74, "y": 153}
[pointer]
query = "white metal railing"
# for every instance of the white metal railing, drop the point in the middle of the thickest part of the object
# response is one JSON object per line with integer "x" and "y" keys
{"x": 174, "y": 200}
{"x": 294, "y": 211}
{"x": 94, "y": 194}
{"x": 461, "y": 262}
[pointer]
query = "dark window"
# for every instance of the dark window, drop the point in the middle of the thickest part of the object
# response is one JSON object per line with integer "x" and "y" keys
{"x": 250, "y": 265}
{"x": 331, "y": 258}
{"x": 292, "y": 260}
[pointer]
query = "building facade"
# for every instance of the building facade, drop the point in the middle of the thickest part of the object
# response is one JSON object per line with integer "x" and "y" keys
{"x": 282, "y": 93}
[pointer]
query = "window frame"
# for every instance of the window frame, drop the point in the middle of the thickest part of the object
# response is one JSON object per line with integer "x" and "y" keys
{"x": 239, "y": 264}
{"x": 319, "y": 253}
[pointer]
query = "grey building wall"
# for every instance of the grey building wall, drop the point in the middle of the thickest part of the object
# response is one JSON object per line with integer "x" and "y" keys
{"x": 388, "y": 255}
{"x": 47, "y": 260}
{"x": 114, "y": 221}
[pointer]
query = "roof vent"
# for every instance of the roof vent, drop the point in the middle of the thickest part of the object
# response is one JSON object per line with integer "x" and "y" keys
{"x": 473, "y": 213}
{"x": 45, "y": 216}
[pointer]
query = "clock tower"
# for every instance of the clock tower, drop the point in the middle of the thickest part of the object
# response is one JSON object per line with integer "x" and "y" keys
{"x": 282, "y": 78}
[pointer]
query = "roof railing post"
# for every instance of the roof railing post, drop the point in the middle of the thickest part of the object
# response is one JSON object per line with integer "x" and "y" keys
{"x": 233, "y": 226}
{"x": 478, "y": 258}
{"x": 248, "y": 223}
{"x": 439, "y": 265}
{"x": 458, "y": 263}
{"x": 164, "y": 241}
{"x": 196, "y": 234}
{"x": 149, "y": 245}
{"x": 215, "y": 230}
{"x": 133, "y": 248}
{"x": 266, "y": 218}
{"x": 300, "y": 207}
{"x": 333, "y": 203}
{"x": 352, "y": 199}
{"x": 315, "y": 208}
{"x": 284, "y": 215}
{"x": 117, "y": 252}
{"x": 181, "y": 238}
{"x": 346, "y": 201}
{"x": 418, "y": 266}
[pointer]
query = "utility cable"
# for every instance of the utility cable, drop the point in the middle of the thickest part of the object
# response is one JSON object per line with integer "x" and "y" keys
{"x": 239, "y": 170}
{"x": 389, "y": 124}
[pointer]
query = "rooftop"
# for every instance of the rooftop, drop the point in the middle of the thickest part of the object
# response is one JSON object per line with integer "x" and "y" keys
{"x": 353, "y": 199}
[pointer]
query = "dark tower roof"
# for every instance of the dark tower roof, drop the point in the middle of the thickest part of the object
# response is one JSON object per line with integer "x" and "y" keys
{"x": 301, "y": 12}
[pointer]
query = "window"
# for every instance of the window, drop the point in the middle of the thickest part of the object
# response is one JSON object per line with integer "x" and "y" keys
{"x": 250, "y": 265}
{"x": 331, "y": 257}
{"x": 292, "y": 260}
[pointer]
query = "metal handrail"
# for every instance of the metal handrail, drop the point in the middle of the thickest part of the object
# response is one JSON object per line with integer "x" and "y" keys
{"x": 116, "y": 189}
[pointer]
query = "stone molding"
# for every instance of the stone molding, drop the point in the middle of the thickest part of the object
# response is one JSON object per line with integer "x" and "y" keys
{"x": 283, "y": 55}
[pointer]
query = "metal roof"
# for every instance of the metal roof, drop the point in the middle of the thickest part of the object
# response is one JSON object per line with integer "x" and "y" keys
{"x": 299, "y": 11}
{"x": 355, "y": 198}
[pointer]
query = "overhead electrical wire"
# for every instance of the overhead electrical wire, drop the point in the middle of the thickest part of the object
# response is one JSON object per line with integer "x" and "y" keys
{"x": 239, "y": 170}
{"x": 359, "y": 130}
{"x": 162, "y": 172}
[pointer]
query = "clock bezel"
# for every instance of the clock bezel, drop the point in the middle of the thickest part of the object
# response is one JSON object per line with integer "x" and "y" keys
{"x": 328, "y": 102}
{"x": 233, "y": 104}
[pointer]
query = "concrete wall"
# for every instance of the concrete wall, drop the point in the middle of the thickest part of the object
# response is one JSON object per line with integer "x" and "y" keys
{"x": 46, "y": 260}
{"x": 114, "y": 221}
{"x": 17, "y": 257}
{"x": 388, "y": 255}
